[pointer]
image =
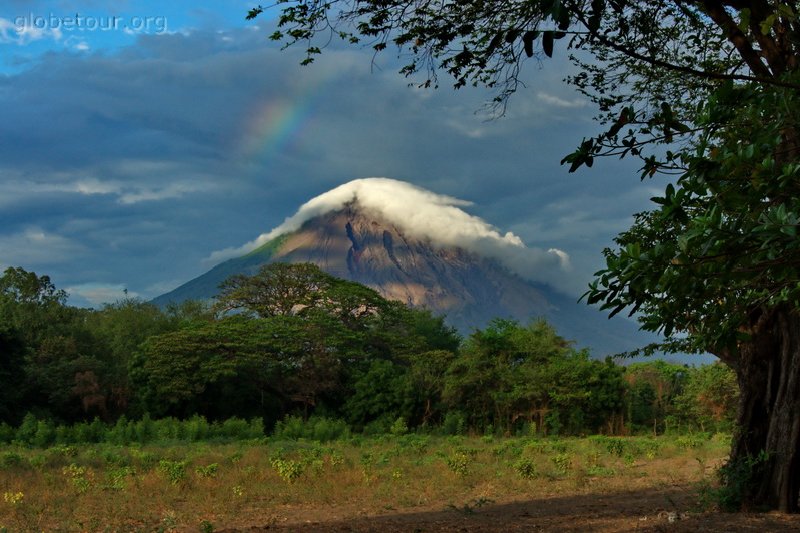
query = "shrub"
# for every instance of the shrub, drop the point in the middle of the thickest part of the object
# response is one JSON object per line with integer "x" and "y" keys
{"x": 209, "y": 471}
{"x": 27, "y": 429}
{"x": 45, "y": 434}
{"x": 77, "y": 476}
{"x": 458, "y": 462}
{"x": 174, "y": 471}
{"x": 612, "y": 445}
{"x": 10, "y": 459}
{"x": 320, "y": 429}
{"x": 287, "y": 469}
{"x": 692, "y": 441}
{"x": 116, "y": 477}
{"x": 454, "y": 423}
{"x": 233, "y": 428}
{"x": 399, "y": 427}
{"x": 122, "y": 433}
{"x": 562, "y": 462}
{"x": 197, "y": 428}
{"x": 6, "y": 433}
{"x": 525, "y": 468}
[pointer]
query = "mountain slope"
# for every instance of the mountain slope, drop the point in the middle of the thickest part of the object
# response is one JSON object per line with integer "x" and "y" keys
{"x": 358, "y": 244}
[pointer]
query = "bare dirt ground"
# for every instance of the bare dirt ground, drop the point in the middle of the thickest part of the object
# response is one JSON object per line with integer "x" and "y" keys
{"x": 648, "y": 510}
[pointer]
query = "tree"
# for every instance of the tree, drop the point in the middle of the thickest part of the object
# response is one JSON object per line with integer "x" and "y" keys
{"x": 687, "y": 86}
{"x": 717, "y": 260}
{"x": 277, "y": 289}
{"x": 183, "y": 372}
{"x": 653, "y": 387}
{"x": 50, "y": 341}
{"x": 286, "y": 289}
{"x": 12, "y": 352}
{"x": 31, "y": 304}
{"x": 507, "y": 375}
{"x": 709, "y": 398}
{"x": 120, "y": 329}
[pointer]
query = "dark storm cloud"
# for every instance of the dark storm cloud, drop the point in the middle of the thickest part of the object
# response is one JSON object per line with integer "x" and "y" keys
{"x": 133, "y": 166}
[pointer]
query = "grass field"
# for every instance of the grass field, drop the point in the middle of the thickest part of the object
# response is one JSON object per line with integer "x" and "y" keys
{"x": 210, "y": 487}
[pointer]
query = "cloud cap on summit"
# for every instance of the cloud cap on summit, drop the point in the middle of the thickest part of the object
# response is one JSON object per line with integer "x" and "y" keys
{"x": 423, "y": 214}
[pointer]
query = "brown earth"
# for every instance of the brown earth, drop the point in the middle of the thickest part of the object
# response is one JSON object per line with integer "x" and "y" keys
{"x": 650, "y": 510}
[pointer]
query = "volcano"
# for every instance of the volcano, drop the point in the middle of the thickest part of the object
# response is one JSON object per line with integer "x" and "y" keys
{"x": 421, "y": 249}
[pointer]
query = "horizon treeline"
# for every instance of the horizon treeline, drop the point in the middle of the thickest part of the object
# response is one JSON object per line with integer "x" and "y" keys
{"x": 293, "y": 341}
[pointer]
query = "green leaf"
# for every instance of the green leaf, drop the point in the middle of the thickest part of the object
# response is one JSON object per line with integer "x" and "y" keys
{"x": 547, "y": 43}
{"x": 527, "y": 40}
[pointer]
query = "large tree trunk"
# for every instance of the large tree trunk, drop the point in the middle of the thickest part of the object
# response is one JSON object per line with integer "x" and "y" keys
{"x": 765, "y": 459}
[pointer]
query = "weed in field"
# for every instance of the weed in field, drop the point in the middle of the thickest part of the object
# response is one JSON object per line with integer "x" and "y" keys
{"x": 169, "y": 522}
{"x": 10, "y": 459}
{"x": 525, "y": 468}
{"x": 37, "y": 461}
{"x": 238, "y": 491}
{"x": 691, "y": 441}
{"x": 174, "y": 471}
{"x": 287, "y": 469}
{"x": 116, "y": 477}
{"x": 613, "y": 445}
{"x": 514, "y": 448}
{"x": 14, "y": 498}
{"x": 562, "y": 462}
{"x": 469, "y": 508}
{"x": 418, "y": 444}
{"x": 559, "y": 445}
{"x": 145, "y": 460}
{"x": 206, "y": 526}
{"x": 367, "y": 461}
{"x": 651, "y": 448}
{"x": 65, "y": 451}
{"x": 115, "y": 458}
{"x": 600, "y": 471}
{"x": 78, "y": 477}
{"x": 458, "y": 463}
{"x": 336, "y": 459}
{"x": 208, "y": 471}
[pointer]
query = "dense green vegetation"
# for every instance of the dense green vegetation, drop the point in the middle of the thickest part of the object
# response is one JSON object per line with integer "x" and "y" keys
{"x": 292, "y": 341}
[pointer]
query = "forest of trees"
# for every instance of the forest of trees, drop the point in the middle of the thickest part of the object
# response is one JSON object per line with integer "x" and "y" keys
{"x": 295, "y": 341}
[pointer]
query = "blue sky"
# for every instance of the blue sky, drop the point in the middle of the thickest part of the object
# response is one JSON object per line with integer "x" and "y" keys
{"x": 129, "y": 155}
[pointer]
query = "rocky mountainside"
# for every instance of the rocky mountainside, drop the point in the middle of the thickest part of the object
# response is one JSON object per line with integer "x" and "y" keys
{"x": 356, "y": 244}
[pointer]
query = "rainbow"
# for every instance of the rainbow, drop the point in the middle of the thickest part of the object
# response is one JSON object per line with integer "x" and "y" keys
{"x": 279, "y": 124}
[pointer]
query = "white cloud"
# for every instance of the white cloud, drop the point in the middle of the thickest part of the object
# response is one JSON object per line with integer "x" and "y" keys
{"x": 35, "y": 246}
{"x": 126, "y": 193}
{"x": 424, "y": 214}
{"x": 560, "y": 102}
{"x": 175, "y": 190}
{"x": 98, "y": 294}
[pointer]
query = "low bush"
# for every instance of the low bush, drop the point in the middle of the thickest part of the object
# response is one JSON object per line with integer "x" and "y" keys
{"x": 316, "y": 428}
